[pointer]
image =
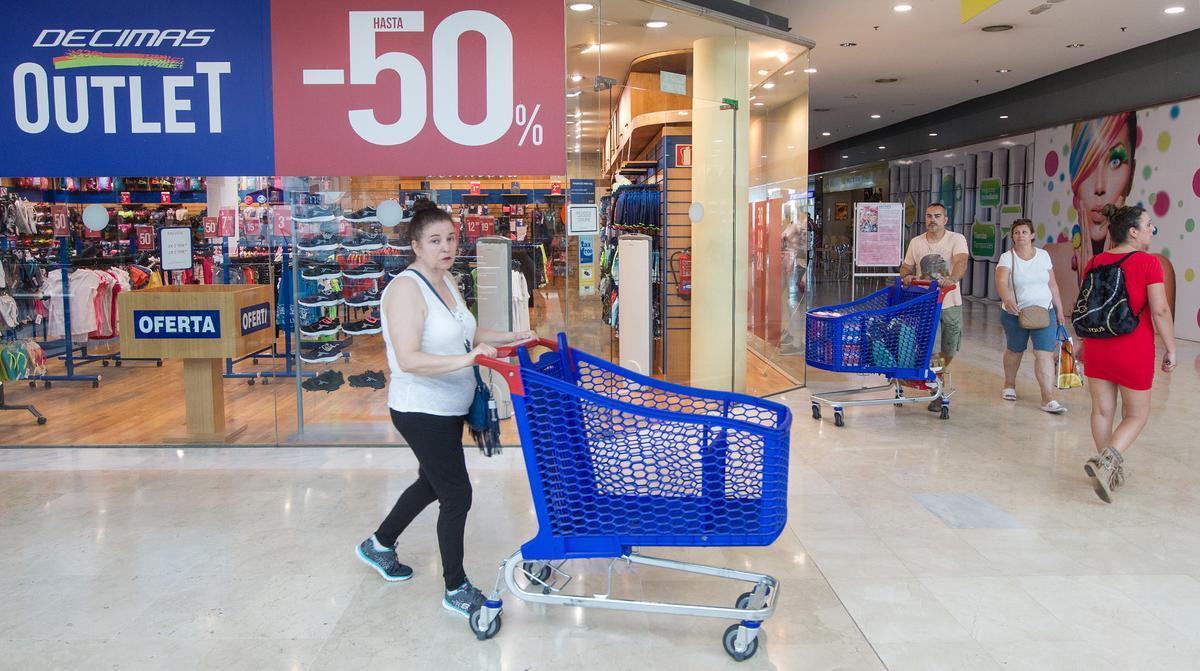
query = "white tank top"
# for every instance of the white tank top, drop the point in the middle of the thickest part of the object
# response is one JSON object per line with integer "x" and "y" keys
{"x": 449, "y": 394}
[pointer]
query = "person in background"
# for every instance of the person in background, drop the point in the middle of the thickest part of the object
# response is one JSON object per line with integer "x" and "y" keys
{"x": 940, "y": 255}
{"x": 1025, "y": 279}
{"x": 431, "y": 349}
{"x": 1124, "y": 365}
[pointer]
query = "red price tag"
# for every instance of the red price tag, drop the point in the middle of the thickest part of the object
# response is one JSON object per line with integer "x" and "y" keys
{"x": 164, "y": 196}
{"x": 281, "y": 218}
{"x": 125, "y": 200}
{"x": 252, "y": 227}
{"x": 475, "y": 188}
{"x": 210, "y": 227}
{"x": 58, "y": 213}
{"x": 555, "y": 188}
{"x": 226, "y": 217}
{"x": 487, "y": 225}
{"x": 145, "y": 236}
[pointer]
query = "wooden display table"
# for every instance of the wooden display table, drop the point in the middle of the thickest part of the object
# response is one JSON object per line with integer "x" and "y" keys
{"x": 203, "y": 325}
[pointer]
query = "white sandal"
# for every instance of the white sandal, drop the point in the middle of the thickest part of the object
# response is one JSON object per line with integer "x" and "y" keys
{"x": 1009, "y": 394}
{"x": 1054, "y": 408}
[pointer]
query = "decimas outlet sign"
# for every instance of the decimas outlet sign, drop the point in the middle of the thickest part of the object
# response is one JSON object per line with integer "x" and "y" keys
{"x": 443, "y": 88}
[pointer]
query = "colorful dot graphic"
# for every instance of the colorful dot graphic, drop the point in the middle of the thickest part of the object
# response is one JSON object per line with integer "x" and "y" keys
{"x": 1189, "y": 225}
{"x": 1052, "y": 162}
{"x": 1164, "y": 141}
{"x": 1055, "y": 208}
{"x": 1147, "y": 172}
{"x": 1174, "y": 111}
{"x": 1189, "y": 275}
{"x": 1196, "y": 183}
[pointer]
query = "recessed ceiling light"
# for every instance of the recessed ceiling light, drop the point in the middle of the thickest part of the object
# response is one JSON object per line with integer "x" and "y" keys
{"x": 1173, "y": 10}
{"x": 789, "y": 72}
{"x": 826, "y": 133}
{"x": 769, "y": 85}
{"x": 753, "y": 98}
{"x": 657, "y": 24}
{"x": 758, "y": 104}
{"x": 578, "y": 114}
{"x": 947, "y": 155}
{"x": 997, "y": 28}
{"x": 902, "y": 8}
{"x": 782, "y": 57}
{"x": 683, "y": 112}
{"x": 933, "y": 135}
{"x": 576, "y": 77}
{"x": 1076, "y": 45}
{"x": 844, "y": 156}
{"x": 1003, "y": 116}
{"x": 763, "y": 156}
{"x": 791, "y": 146}
{"x": 574, "y": 94}
{"x": 848, "y": 44}
{"x": 1004, "y": 71}
{"x": 763, "y": 73}
{"x": 882, "y": 147}
{"x": 811, "y": 71}
{"x": 874, "y": 116}
{"x": 580, "y": 6}
{"x": 591, "y": 48}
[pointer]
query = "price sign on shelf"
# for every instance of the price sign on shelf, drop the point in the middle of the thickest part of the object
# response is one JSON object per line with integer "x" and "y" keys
{"x": 475, "y": 188}
{"x": 164, "y": 196}
{"x": 211, "y": 229}
{"x": 226, "y": 217}
{"x": 281, "y": 220}
{"x": 125, "y": 198}
{"x": 252, "y": 227}
{"x": 388, "y": 85}
{"x": 145, "y": 237}
{"x": 58, "y": 214}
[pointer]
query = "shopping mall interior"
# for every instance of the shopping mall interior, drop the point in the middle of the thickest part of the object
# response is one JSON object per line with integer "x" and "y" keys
{"x": 704, "y": 210}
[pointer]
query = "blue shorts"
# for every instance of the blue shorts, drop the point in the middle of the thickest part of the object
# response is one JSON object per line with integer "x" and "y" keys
{"x": 1044, "y": 339}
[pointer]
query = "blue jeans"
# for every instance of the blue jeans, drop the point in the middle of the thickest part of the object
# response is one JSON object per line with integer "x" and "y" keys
{"x": 1044, "y": 339}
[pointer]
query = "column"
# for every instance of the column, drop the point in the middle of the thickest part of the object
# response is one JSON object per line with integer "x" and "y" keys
{"x": 720, "y": 240}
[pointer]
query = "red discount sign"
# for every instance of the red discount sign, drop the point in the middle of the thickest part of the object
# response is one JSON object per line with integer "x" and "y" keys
{"x": 452, "y": 86}
{"x": 164, "y": 196}
{"x": 58, "y": 214}
{"x": 211, "y": 229}
{"x": 125, "y": 199}
{"x": 226, "y": 217}
{"x": 145, "y": 236}
{"x": 475, "y": 188}
{"x": 281, "y": 220}
{"x": 252, "y": 227}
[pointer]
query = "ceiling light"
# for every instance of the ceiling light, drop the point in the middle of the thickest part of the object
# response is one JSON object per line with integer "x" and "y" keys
{"x": 576, "y": 77}
{"x": 826, "y": 133}
{"x": 580, "y": 6}
{"x": 848, "y": 44}
{"x": 1076, "y": 45}
{"x": 882, "y": 147}
{"x": 1003, "y": 116}
{"x": 578, "y": 114}
{"x": 758, "y": 104}
{"x": 997, "y": 28}
{"x": 933, "y": 135}
{"x": 844, "y": 156}
{"x": 811, "y": 71}
{"x": 591, "y": 48}
{"x": 1173, "y": 10}
{"x": 1004, "y": 71}
{"x": 789, "y": 72}
{"x": 791, "y": 146}
{"x": 683, "y": 112}
{"x": 902, "y": 8}
{"x": 763, "y": 73}
{"x": 768, "y": 85}
{"x": 782, "y": 57}
{"x": 657, "y": 24}
{"x": 874, "y": 116}
{"x": 763, "y": 156}
{"x": 574, "y": 94}
{"x": 947, "y": 155}
{"x": 753, "y": 98}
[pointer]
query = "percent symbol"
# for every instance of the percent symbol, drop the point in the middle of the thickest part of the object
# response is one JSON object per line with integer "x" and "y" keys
{"x": 527, "y": 124}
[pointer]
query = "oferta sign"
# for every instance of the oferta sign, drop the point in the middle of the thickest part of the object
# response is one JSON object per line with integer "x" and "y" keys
{"x": 164, "y": 88}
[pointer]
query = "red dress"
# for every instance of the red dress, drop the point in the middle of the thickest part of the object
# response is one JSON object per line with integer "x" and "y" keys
{"x": 1127, "y": 360}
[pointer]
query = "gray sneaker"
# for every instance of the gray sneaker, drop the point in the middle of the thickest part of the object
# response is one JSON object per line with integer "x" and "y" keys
{"x": 386, "y": 563}
{"x": 465, "y": 600}
{"x": 1106, "y": 473}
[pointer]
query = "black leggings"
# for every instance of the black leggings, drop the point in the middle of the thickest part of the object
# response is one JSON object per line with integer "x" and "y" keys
{"x": 437, "y": 443}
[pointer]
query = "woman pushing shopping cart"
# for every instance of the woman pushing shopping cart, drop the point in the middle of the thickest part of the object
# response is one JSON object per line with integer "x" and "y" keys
{"x": 890, "y": 332}
{"x": 618, "y": 460}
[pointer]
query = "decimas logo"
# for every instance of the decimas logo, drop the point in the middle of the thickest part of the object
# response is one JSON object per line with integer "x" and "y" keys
{"x": 107, "y": 38}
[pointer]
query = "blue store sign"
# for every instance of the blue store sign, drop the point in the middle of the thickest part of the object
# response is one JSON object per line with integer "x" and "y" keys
{"x": 159, "y": 324}
{"x": 582, "y": 192}
{"x": 255, "y": 318}
{"x": 170, "y": 88}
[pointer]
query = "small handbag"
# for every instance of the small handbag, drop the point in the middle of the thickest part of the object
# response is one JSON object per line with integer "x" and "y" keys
{"x": 1031, "y": 318}
{"x": 1070, "y": 371}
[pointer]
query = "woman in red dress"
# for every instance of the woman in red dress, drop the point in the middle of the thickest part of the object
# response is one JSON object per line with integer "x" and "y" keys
{"x": 1125, "y": 364}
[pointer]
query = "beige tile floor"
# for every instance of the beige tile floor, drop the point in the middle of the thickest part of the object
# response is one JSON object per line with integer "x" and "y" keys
{"x": 241, "y": 558}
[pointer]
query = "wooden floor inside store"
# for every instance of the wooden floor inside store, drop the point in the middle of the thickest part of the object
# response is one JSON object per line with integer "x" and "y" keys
{"x": 139, "y": 403}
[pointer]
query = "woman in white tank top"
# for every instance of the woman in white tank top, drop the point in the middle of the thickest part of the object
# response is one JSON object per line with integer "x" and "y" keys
{"x": 432, "y": 341}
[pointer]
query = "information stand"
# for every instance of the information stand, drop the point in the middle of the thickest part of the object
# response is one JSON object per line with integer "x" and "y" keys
{"x": 635, "y": 317}
{"x": 878, "y": 240}
{"x": 203, "y": 325}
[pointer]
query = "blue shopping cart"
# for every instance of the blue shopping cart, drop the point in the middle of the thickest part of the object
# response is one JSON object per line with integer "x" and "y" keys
{"x": 618, "y": 460}
{"x": 890, "y": 332}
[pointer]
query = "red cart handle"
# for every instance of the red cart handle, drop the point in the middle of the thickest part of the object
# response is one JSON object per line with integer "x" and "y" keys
{"x": 943, "y": 289}
{"x": 511, "y": 371}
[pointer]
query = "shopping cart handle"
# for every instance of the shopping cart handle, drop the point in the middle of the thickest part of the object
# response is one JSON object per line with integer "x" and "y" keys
{"x": 511, "y": 372}
{"x": 511, "y": 350}
{"x": 943, "y": 287}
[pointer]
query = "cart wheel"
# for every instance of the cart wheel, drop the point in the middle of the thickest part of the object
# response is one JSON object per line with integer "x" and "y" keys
{"x": 898, "y": 405}
{"x": 542, "y": 573}
{"x": 731, "y": 636}
{"x": 493, "y": 627}
{"x": 743, "y": 601}
{"x": 838, "y": 418}
{"x": 254, "y": 361}
{"x": 41, "y": 420}
{"x": 95, "y": 384}
{"x": 816, "y": 411}
{"x": 250, "y": 382}
{"x": 46, "y": 384}
{"x": 33, "y": 385}
{"x": 945, "y": 412}
{"x": 117, "y": 363}
{"x": 158, "y": 364}
{"x": 266, "y": 381}
{"x": 104, "y": 363}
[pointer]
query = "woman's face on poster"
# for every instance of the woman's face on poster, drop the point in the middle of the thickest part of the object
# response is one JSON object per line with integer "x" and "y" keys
{"x": 1108, "y": 184}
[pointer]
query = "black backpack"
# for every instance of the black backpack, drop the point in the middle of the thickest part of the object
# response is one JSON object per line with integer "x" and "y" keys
{"x": 1102, "y": 310}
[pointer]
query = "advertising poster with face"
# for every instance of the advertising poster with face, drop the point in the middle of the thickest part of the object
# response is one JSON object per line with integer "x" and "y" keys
{"x": 1149, "y": 158}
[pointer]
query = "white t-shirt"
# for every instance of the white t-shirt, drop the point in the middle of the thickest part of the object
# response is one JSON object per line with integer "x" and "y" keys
{"x": 952, "y": 244}
{"x": 1031, "y": 278}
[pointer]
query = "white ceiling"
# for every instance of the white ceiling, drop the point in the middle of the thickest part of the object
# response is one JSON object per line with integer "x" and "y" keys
{"x": 941, "y": 62}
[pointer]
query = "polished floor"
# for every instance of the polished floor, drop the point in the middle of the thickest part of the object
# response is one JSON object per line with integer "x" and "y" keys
{"x": 913, "y": 544}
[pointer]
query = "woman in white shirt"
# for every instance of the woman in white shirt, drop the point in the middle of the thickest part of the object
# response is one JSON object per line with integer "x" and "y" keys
{"x": 431, "y": 348}
{"x": 1024, "y": 279}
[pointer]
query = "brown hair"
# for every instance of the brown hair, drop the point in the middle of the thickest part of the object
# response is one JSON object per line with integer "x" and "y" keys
{"x": 1022, "y": 222}
{"x": 1121, "y": 220}
{"x": 426, "y": 214}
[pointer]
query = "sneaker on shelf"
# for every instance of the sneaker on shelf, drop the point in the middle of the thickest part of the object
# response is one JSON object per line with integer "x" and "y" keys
{"x": 465, "y": 600}
{"x": 366, "y": 241}
{"x": 393, "y": 274}
{"x": 321, "y": 271}
{"x": 369, "y": 326}
{"x": 364, "y": 299}
{"x": 324, "y": 352}
{"x": 316, "y": 213}
{"x": 365, "y": 214}
{"x": 321, "y": 242}
{"x": 385, "y": 562}
{"x": 329, "y": 380}
{"x": 324, "y": 298}
{"x": 368, "y": 271}
{"x": 407, "y": 215}
{"x": 372, "y": 378}
{"x": 325, "y": 326}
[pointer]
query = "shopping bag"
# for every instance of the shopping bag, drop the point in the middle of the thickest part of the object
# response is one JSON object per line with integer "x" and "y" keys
{"x": 1070, "y": 371}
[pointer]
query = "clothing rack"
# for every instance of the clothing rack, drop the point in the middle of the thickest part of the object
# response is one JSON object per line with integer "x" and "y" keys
{"x": 41, "y": 419}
